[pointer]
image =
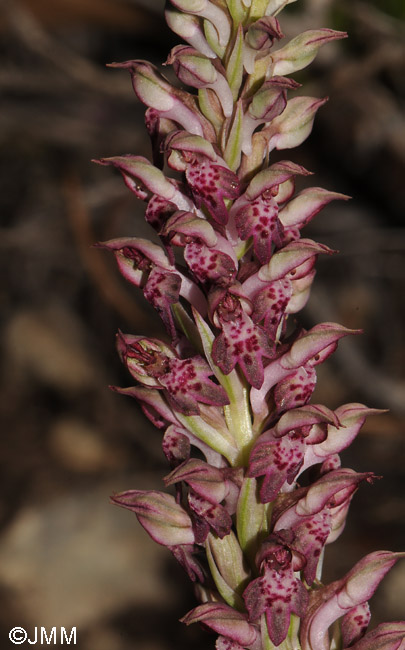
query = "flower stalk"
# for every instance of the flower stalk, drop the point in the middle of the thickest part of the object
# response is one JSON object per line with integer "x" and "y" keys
{"x": 231, "y": 389}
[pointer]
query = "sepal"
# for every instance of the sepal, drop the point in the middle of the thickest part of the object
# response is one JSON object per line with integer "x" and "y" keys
{"x": 355, "y": 623}
{"x": 189, "y": 27}
{"x": 337, "y": 599}
{"x": 228, "y": 568}
{"x": 302, "y": 50}
{"x": 224, "y": 620}
{"x": 294, "y": 125}
{"x": 185, "y": 555}
{"x": 159, "y": 514}
{"x": 153, "y": 90}
{"x": 305, "y": 206}
{"x": 386, "y": 636}
{"x": 219, "y": 19}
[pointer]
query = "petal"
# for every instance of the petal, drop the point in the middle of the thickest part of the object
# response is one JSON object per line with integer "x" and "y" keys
{"x": 210, "y": 184}
{"x": 185, "y": 555}
{"x": 224, "y": 620}
{"x": 269, "y": 179}
{"x": 263, "y": 32}
{"x": 189, "y": 28}
{"x": 270, "y": 305}
{"x": 277, "y": 593}
{"x": 304, "y": 416}
{"x": 156, "y": 92}
{"x": 278, "y": 460}
{"x": 296, "y": 389}
{"x": 301, "y": 209}
{"x": 242, "y": 342}
{"x": 176, "y": 445}
{"x": 386, "y": 636}
{"x": 191, "y": 67}
{"x": 142, "y": 178}
{"x": 187, "y": 384}
{"x": 310, "y": 538}
{"x": 314, "y": 342}
{"x": 209, "y": 265}
{"x": 214, "y": 515}
{"x": 183, "y": 226}
{"x": 355, "y": 623}
{"x": 152, "y": 402}
{"x": 162, "y": 290}
{"x": 302, "y": 50}
{"x": 259, "y": 219}
{"x": 294, "y": 125}
{"x": 295, "y": 260}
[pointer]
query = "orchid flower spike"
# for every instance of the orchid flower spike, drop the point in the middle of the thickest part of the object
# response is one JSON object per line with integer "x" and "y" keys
{"x": 230, "y": 387}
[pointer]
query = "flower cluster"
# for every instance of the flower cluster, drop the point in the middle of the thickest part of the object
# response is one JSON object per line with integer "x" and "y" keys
{"x": 235, "y": 381}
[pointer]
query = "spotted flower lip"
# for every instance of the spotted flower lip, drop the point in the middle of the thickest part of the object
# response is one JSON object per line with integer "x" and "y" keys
{"x": 210, "y": 184}
{"x": 277, "y": 593}
{"x": 208, "y": 255}
{"x": 240, "y": 340}
{"x": 186, "y": 381}
{"x": 146, "y": 265}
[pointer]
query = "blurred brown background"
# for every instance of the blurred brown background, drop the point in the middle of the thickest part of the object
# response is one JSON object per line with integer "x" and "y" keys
{"x": 68, "y": 558}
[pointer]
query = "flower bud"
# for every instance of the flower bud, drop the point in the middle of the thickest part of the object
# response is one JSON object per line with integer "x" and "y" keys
{"x": 214, "y": 14}
{"x": 191, "y": 67}
{"x": 263, "y": 32}
{"x": 189, "y": 28}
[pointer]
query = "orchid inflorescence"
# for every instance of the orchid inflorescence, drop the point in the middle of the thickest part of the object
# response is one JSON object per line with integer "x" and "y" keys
{"x": 234, "y": 384}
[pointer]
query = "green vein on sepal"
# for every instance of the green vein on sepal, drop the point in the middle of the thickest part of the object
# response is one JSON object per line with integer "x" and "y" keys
{"x": 252, "y": 518}
{"x": 187, "y": 326}
{"x": 208, "y": 109}
{"x": 237, "y": 10}
{"x": 225, "y": 559}
{"x": 234, "y": 67}
{"x": 232, "y": 148}
{"x": 211, "y": 34}
{"x": 211, "y": 436}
